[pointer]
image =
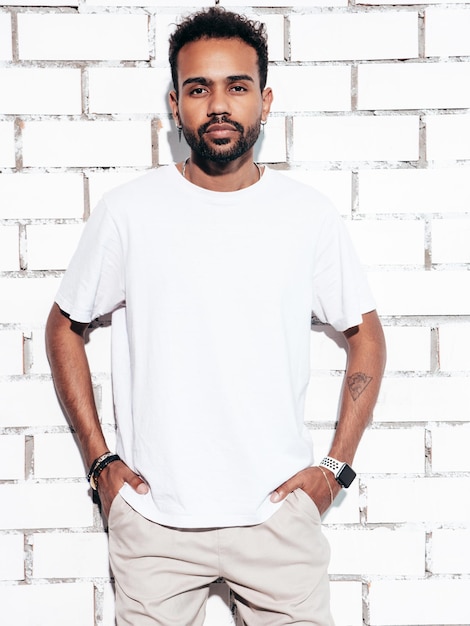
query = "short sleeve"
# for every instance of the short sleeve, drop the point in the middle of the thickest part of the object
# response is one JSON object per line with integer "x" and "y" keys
{"x": 341, "y": 293}
{"x": 94, "y": 284}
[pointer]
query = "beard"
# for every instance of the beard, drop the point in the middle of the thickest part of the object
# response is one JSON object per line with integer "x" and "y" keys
{"x": 215, "y": 150}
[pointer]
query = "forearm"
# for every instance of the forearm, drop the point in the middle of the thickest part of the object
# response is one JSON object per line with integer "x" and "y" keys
{"x": 363, "y": 376}
{"x": 72, "y": 379}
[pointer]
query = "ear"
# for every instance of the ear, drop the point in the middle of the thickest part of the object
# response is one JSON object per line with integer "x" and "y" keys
{"x": 267, "y": 97}
{"x": 173, "y": 99}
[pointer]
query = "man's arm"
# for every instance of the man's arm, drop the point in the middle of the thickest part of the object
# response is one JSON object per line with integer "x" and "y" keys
{"x": 69, "y": 365}
{"x": 365, "y": 367}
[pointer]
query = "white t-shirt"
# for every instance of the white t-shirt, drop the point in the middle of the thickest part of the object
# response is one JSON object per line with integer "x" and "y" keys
{"x": 212, "y": 295}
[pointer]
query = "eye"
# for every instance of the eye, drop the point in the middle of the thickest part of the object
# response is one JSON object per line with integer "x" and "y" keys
{"x": 238, "y": 88}
{"x": 198, "y": 91}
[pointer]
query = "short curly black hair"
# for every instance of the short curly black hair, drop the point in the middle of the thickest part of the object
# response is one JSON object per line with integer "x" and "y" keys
{"x": 217, "y": 23}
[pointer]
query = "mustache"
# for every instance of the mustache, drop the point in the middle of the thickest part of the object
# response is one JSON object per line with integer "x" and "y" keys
{"x": 220, "y": 119}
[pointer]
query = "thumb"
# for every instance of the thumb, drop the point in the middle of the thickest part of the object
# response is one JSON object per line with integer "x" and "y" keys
{"x": 285, "y": 489}
{"x": 136, "y": 482}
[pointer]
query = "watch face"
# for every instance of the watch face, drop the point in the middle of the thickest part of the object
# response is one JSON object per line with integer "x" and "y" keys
{"x": 346, "y": 475}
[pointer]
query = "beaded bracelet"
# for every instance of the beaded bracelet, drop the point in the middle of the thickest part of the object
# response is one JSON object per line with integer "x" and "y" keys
{"x": 98, "y": 466}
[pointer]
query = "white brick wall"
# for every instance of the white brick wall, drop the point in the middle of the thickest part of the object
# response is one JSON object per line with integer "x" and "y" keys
{"x": 40, "y": 90}
{"x": 7, "y": 146}
{"x": 83, "y": 37}
{"x": 377, "y": 35}
{"x": 371, "y": 107}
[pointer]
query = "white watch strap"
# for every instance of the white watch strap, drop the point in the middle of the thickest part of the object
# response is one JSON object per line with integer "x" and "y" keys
{"x": 332, "y": 464}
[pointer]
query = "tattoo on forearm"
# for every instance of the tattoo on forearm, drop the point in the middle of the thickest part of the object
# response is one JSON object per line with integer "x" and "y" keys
{"x": 357, "y": 383}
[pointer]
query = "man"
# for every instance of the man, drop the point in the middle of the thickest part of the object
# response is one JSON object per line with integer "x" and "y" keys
{"x": 211, "y": 269}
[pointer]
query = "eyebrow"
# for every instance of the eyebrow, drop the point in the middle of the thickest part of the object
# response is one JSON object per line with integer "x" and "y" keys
{"x": 201, "y": 80}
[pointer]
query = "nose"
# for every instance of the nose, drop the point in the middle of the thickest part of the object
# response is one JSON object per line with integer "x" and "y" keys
{"x": 218, "y": 103}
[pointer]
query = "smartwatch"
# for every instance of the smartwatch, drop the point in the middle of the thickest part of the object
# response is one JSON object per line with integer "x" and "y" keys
{"x": 344, "y": 473}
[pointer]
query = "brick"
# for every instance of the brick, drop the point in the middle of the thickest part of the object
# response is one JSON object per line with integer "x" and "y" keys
{"x": 450, "y": 241}
{"x": 55, "y": 505}
{"x": 12, "y": 551}
{"x": 401, "y": 292}
{"x": 70, "y": 555}
{"x": 54, "y": 605}
{"x": 107, "y": 408}
{"x": 345, "y": 508}
{"x": 5, "y": 37}
{"x": 40, "y": 90}
{"x": 450, "y": 551}
{"x": 328, "y": 349}
{"x": 90, "y": 144}
{"x": 383, "y": 551}
{"x": 83, "y": 37}
{"x": 11, "y": 352}
{"x": 417, "y": 399}
{"x": 414, "y": 86}
{"x": 41, "y": 3}
{"x": 271, "y": 145}
{"x": 165, "y": 24}
{"x": 388, "y": 242}
{"x": 346, "y": 602}
{"x": 421, "y": 602}
{"x": 450, "y": 448}
{"x": 408, "y": 348}
{"x": 321, "y": 438}
{"x": 356, "y": 138}
{"x": 321, "y": 403}
{"x": 310, "y": 88}
{"x": 109, "y": 614}
{"x": 414, "y": 191}
{"x": 12, "y": 457}
{"x": 377, "y": 453}
{"x": 448, "y": 137}
{"x": 56, "y": 455}
{"x": 30, "y": 196}
{"x": 446, "y": 32}
{"x": 454, "y": 346}
{"x": 327, "y": 36}
{"x": 7, "y": 146}
{"x": 37, "y": 358}
{"x": 9, "y": 248}
{"x": 19, "y": 293}
{"x": 292, "y": 3}
{"x": 401, "y": 2}
{"x": 29, "y": 403}
{"x": 336, "y": 185}
{"x": 102, "y": 182}
{"x": 50, "y": 246}
{"x": 393, "y": 500}
{"x": 170, "y": 150}
{"x": 129, "y": 90}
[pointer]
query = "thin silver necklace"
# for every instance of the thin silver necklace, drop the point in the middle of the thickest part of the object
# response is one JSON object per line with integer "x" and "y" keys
{"x": 183, "y": 169}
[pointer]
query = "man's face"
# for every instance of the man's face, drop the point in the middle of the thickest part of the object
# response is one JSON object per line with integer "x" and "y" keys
{"x": 220, "y": 104}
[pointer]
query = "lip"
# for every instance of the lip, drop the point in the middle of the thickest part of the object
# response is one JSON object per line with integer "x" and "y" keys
{"x": 221, "y": 128}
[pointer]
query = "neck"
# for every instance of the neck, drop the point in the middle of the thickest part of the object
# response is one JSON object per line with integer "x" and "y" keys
{"x": 231, "y": 176}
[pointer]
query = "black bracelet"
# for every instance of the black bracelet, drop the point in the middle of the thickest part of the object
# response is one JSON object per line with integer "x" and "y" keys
{"x": 96, "y": 462}
{"x": 98, "y": 466}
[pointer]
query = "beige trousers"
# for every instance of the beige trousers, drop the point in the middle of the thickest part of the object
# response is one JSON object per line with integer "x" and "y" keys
{"x": 277, "y": 570}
